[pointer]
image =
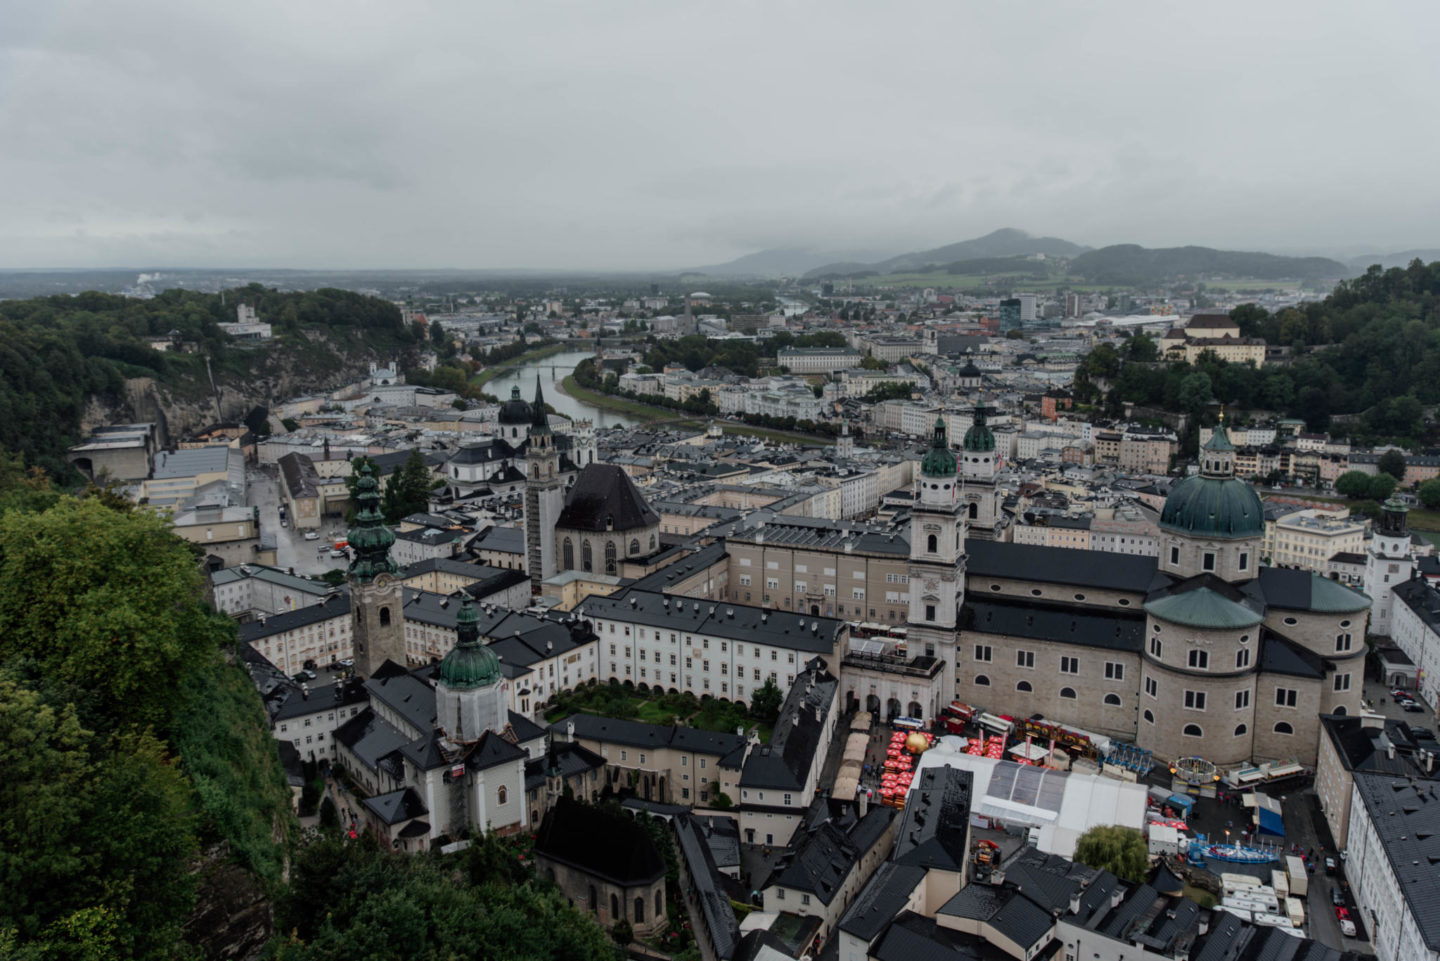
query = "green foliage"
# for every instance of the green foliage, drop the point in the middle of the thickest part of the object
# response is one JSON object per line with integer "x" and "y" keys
{"x": 1430, "y": 493}
{"x": 767, "y": 700}
{"x": 1392, "y": 462}
{"x": 622, "y": 932}
{"x": 407, "y": 490}
{"x": 1353, "y": 483}
{"x": 873, "y": 363}
{"x": 290, "y": 424}
{"x": 891, "y": 391}
{"x": 350, "y": 900}
{"x": 719, "y": 800}
{"x": 1119, "y": 850}
{"x": 1380, "y": 487}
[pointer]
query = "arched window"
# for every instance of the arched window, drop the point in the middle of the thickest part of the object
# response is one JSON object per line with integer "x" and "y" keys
{"x": 1339, "y": 710}
{"x": 500, "y": 794}
{"x": 614, "y": 908}
{"x": 974, "y": 510}
{"x": 585, "y": 563}
{"x": 1241, "y": 730}
{"x": 384, "y": 617}
{"x": 594, "y": 900}
{"x": 1283, "y": 727}
{"x": 1112, "y": 700}
{"x": 568, "y": 552}
{"x": 659, "y": 903}
{"x": 1149, "y": 718}
{"x": 634, "y": 547}
{"x": 609, "y": 557}
{"x": 1068, "y": 693}
{"x": 932, "y": 543}
{"x": 1024, "y": 687}
{"x": 639, "y": 910}
{"x": 1193, "y": 730}
{"x": 981, "y": 680}
{"x": 652, "y": 542}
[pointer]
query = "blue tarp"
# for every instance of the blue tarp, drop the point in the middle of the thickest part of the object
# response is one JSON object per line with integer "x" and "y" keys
{"x": 1268, "y": 816}
{"x": 1181, "y": 802}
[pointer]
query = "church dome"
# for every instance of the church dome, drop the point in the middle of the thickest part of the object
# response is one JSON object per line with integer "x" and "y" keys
{"x": 516, "y": 410}
{"x": 979, "y": 438}
{"x": 1213, "y": 507}
{"x": 469, "y": 664}
{"x": 1214, "y": 503}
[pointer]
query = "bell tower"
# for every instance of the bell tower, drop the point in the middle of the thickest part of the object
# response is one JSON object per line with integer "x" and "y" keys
{"x": 937, "y": 558}
{"x": 376, "y": 596}
{"x": 979, "y": 465}
{"x": 544, "y": 496}
{"x": 1387, "y": 563}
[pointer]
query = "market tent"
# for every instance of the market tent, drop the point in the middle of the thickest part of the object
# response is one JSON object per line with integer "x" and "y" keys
{"x": 1269, "y": 815}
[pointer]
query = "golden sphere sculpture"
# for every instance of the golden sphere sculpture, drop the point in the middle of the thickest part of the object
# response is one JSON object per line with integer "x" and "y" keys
{"x": 916, "y": 743}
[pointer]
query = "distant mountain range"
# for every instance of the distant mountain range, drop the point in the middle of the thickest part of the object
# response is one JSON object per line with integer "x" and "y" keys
{"x": 1401, "y": 259}
{"x": 1010, "y": 251}
{"x": 785, "y": 262}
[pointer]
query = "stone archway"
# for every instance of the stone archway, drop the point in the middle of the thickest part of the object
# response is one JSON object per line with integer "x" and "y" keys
{"x": 872, "y": 704}
{"x": 915, "y": 710}
{"x": 852, "y": 702}
{"x": 892, "y": 709}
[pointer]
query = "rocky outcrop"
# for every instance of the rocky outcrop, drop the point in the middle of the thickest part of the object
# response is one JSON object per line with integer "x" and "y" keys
{"x": 232, "y": 917}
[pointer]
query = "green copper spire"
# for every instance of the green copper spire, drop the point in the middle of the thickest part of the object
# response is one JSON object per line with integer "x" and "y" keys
{"x": 469, "y": 664}
{"x": 370, "y": 539}
{"x": 979, "y": 437}
{"x": 938, "y": 461}
{"x": 540, "y": 422}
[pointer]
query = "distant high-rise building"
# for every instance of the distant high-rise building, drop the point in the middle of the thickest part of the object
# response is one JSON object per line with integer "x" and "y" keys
{"x": 1010, "y": 314}
{"x": 827, "y": 290}
{"x": 1073, "y": 306}
{"x": 1027, "y": 308}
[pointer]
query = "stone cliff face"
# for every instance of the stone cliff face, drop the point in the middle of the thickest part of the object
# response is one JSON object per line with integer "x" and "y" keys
{"x": 232, "y": 917}
{"x": 277, "y": 374}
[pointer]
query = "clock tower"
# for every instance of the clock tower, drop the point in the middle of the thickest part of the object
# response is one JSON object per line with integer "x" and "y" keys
{"x": 376, "y": 595}
{"x": 937, "y": 559}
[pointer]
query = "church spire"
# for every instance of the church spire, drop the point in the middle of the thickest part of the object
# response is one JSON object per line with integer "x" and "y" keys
{"x": 370, "y": 539}
{"x": 540, "y": 421}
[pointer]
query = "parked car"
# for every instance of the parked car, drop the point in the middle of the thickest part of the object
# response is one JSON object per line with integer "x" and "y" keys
{"x": 1399, "y": 692}
{"x": 337, "y": 553}
{"x": 1329, "y": 865}
{"x": 1412, "y": 707}
{"x": 312, "y": 536}
{"x": 1337, "y": 897}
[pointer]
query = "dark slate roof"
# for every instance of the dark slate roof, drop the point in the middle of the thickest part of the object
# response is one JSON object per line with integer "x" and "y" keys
{"x": 1280, "y": 655}
{"x": 913, "y": 937}
{"x": 483, "y": 452}
{"x": 525, "y": 729}
{"x": 801, "y": 632}
{"x": 325, "y": 698}
{"x": 935, "y": 831}
{"x": 640, "y": 734}
{"x": 298, "y": 473}
{"x": 370, "y": 738}
{"x": 605, "y": 498}
{"x": 681, "y": 569}
{"x": 492, "y": 750}
{"x": 336, "y": 605}
{"x": 1405, "y": 815}
{"x": 569, "y": 759}
{"x": 1363, "y": 748}
{"x": 786, "y": 761}
{"x": 615, "y": 847}
{"x": 396, "y": 806}
{"x": 707, "y": 883}
{"x": 1121, "y": 630}
{"x": 819, "y": 864}
{"x": 409, "y": 695}
{"x": 1025, "y": 922}
{"x": 1101, "y": 570}
{"x": 887, "y": 891}
{"x": 819, "y": 533}
{"x": 508, "y": 540}
{"x": 1299, "y": 590}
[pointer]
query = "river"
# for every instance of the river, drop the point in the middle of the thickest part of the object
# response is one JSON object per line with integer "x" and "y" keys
{"x": 552, "y": 370}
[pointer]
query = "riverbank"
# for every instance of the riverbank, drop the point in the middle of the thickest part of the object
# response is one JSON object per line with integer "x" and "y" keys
{"x": 519, "y": 360}
{"x": 651, "y": 414}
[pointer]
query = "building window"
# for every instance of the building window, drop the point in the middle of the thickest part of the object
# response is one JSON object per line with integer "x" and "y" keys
{"x": 1068, "y": 693}
{"x": 1114, "y": 671}
{"x": 787, "y": 799}
{"x": 500, "y": 794}
{"x": 1192, "y": 730}
{"x": 932, "y": 544}
{"x": 1070, "y": 665}
{"x": 1151, "y": 687}
{"x": 1242, "y": 657}
{"x": 586, "y": 563}
{"x": 1174, "y": 555}
{"x": 1024, "y": 687}
{"x": 568, "y": 551}
{"x": 1285, "y": 697}
{"x": 1156, "y": 647}
{"x": 1200, "y": 660}
{"x": 981, "y": 680}
{"x": 929, "y": 612}
{"x": 983, "y": 652}
{"x": 609, "y": 557}
{"x": 1242, "y": 700}
{"x": 1112, "y": 700}
{"x": 1241, "y": 730}
{"x": 1025, "y": 659}
{"x": 1283, "y": 727}
{"x": 1244, "y": 565}
{"x": 1195, "y": 700}
{"x": 1149, "y": 718}
{"x": 1207, "y": 561}
{"x": 1342, "y": 682}
{"x": 1342, "y": 643}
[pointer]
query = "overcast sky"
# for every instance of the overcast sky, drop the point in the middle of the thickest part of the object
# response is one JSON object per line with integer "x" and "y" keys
{"x": 638, "y": 134}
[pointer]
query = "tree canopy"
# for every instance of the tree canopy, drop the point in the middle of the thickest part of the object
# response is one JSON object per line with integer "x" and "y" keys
{"x": 1119, "y": 850}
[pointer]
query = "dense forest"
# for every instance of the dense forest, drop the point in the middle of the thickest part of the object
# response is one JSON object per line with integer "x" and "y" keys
{"x": 1365, "y": 363}
{"x": 57, "y": 352}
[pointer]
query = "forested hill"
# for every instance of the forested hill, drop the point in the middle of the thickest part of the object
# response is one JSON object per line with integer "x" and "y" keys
{"x": 57, "y": 354}
{"x": 1130, "y": 264}
{"x": 1370, "y": 352}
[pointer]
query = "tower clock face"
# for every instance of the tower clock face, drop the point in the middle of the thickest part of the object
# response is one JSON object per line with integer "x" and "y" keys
{"x": 931, "y": 584}
{"x": 382, "y": 581}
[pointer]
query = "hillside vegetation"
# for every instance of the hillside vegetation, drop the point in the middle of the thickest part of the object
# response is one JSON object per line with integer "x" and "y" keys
{"x": 1369, "y": 352}
{"x": 1133, "y": 265}
{"x": 57, "y": 353}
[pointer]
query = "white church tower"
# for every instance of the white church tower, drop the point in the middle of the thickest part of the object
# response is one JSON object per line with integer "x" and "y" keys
{"x": 979, "y": 465}
{"x": 937, "y": 558}
{"x": 1388, "y": 563}
{"x": 544, "y": 494}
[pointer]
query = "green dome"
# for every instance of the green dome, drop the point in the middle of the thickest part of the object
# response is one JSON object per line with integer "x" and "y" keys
{"x": 469, "y": 664}
{"x": 370, "y": 539}
{"x": 1204, "y": 609}
{"x": 1213, "y": 507}
{"x": 938, "y": 461}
